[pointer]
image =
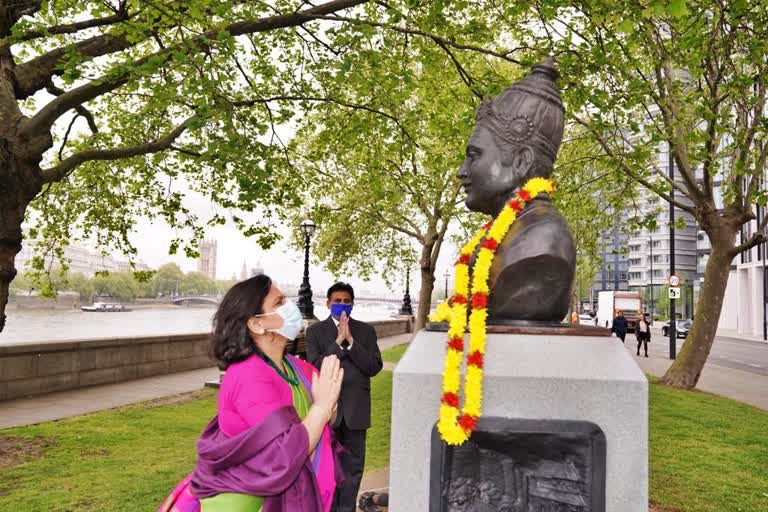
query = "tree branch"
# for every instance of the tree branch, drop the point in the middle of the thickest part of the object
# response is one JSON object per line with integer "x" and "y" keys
{"x": 33, "y": 75}
{"x": 400, "y": 229}
{"x": 504, "y": 55}
{"x": 44, "y": 119}
{"x": 62, "y": 170}
{"x": 676, "y": 135}
{"x": 465, "y": 76}
{"x": 606, "y": 147}
{"x": 757, "y": 119}
{"x": 757, "y": 238}
{"x": 325, "y": 99}
{"x": 81, "y": 110}
{"x": 72, "y": 28}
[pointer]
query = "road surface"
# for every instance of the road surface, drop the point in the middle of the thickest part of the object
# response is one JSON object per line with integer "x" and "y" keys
{"x": 746, "y": 355}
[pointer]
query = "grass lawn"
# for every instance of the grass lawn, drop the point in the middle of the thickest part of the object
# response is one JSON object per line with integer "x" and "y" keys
{"x": 708, "y": 454}
{"x": 129, "y": 459}
{"x": 393, "y": 354}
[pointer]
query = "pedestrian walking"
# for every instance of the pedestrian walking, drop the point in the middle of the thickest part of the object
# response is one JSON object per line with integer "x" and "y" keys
{"x": 620, "y": 326}
{"x": 643, "y": 333}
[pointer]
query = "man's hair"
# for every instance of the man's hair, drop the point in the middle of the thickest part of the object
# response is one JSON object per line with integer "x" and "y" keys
{"x": 341, "y": 287}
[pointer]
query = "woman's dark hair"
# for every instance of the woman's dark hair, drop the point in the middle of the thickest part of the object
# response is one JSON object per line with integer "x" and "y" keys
{"x": 341, "y": 287}
{"x": 230, "y": 340}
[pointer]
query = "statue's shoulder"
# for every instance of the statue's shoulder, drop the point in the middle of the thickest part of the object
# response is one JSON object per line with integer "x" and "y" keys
{"x": 540, "y": 230}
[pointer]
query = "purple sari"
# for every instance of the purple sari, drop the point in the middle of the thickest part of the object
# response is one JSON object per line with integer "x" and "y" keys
{"x": 269, "y": 459}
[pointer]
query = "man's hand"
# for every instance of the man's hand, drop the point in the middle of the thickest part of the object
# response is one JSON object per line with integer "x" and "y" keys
{"x": 344, "y": 332}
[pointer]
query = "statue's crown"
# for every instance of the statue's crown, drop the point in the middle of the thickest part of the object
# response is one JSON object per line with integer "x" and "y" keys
{"x": 529, "y": 111}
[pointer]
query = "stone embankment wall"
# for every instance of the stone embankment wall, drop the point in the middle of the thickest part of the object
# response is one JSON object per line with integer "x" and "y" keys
{"x": 37, "y": 368}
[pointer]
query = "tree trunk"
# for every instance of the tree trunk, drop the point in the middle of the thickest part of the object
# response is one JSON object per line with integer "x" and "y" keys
{"x": 575, "y": 302}
{"x": 686, "y": 369}
{"x": 20, "y": 182}
{"x": 11, "y": 217}
{"x": 427, "y": 286}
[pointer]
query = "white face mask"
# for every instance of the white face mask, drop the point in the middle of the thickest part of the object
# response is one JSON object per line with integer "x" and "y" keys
{"x": 292, "y": 320}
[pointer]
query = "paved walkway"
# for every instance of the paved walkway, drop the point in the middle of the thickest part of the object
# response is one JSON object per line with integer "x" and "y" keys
{"x": 734, "y": 334}
{"x": 739, "y": 385}
{"x": 54, "y": 406}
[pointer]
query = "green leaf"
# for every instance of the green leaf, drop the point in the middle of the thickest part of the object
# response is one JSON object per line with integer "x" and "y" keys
{"x": 678, "y": 8}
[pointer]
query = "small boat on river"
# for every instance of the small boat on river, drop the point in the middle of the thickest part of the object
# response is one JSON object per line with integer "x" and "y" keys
{"x": 105, "y": 307}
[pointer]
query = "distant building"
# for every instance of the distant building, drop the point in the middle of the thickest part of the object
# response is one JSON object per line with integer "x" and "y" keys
{"x": 206, "y": 262}
{"x": 80, "y": 259}
{"x": 244, "y": 272}
{"x": 257, "y": 270}
{"x": 649, "y": 249}
{"x": 744, "y": 304}
{"x": 613, "y": 274}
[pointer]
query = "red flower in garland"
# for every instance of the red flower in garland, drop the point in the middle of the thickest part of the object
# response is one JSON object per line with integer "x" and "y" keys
{"x": 463, "y": 259}
{"x": 487, "y": 225}
{"x": 490, "y": 243}
{"x": 515, "y": 204}
{"x": 451, "y": 399}
{"x": 459, "y": 299}
{"x": 456, "y": 343}
{"x": 467, "y": 422}
{"x": 479, "y": 300}
{"x": 524, "y": 195}
{"x": 475, "y": 358}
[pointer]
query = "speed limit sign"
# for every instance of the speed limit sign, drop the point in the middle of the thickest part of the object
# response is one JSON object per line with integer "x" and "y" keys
{"x": 674, "y": 280}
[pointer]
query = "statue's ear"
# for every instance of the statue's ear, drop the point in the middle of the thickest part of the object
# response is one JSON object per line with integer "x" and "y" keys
{"x": 522, "y": 159}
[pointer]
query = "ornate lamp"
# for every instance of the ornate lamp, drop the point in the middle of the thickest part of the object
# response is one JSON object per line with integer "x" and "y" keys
{"x": 305, "y": 303}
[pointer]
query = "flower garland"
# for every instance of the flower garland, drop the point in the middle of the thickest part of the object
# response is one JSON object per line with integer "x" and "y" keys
{"x": 455, "y": 425}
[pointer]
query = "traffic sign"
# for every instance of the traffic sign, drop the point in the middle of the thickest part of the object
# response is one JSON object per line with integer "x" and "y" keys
{"x": 674, "y": 292}
{"x": 674, "y": 280}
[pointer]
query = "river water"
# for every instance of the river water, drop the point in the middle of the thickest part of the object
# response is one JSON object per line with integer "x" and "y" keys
{"x": 28, "y": 325}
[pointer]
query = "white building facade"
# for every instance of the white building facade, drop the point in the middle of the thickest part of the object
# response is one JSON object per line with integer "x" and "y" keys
{"x": 744, "y": 303}
{"x": 80, "y": 259}
{"x": 649, "y": 250}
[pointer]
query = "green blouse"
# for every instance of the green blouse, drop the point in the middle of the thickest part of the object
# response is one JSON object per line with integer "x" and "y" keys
{"x": 236, "y": 502}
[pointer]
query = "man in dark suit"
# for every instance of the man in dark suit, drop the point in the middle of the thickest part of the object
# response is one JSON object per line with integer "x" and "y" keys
{"x": 355, "y": 344}
{"x": 620, "y": 326}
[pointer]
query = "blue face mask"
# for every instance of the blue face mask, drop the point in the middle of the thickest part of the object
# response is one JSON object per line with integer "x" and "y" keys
{"x": 338, "y": 308}
{"x": 292, "y": 320}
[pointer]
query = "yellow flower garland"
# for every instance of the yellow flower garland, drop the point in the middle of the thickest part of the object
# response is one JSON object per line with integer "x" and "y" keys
{"x": 456, "y": 425}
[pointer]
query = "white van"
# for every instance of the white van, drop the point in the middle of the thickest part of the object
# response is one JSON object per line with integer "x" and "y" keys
{"x": 610, "y": 303}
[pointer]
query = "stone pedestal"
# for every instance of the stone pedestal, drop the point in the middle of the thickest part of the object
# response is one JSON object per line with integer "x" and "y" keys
{"x": 527, "y": 377}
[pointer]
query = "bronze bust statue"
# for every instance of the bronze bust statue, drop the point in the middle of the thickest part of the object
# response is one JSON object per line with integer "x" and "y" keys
{"x": 516, "y": 137}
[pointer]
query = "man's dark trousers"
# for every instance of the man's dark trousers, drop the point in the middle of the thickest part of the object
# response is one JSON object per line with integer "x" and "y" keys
{"x": 353, "y": 462}
{"x": 360, "y": 362}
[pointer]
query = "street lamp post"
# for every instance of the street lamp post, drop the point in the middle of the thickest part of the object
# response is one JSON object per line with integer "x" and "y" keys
{"x": 653, "y": 305}
{"x": 305, "y": 304}
{"x": 765, "y": 291}
{"x": 447, "y": 276}
{"x": 672, "y": 319}
{"x": 407, "y": 309}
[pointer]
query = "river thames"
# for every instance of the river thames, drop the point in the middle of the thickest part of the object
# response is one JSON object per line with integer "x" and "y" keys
{"x": 31, "y": 325}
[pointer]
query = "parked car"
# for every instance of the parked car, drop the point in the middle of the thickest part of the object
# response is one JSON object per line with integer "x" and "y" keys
{"x": 681, "y": 327}
{"x": 585, "y": 319}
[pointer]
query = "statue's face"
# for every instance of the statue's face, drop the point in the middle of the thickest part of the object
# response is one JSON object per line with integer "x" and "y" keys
{"x": 488, "y": 177}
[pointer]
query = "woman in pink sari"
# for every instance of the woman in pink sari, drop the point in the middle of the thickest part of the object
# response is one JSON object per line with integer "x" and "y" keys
{"x": 270, "y": 447}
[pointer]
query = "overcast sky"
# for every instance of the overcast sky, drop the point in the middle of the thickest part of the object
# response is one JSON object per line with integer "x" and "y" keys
{"x": 283, "y": 263}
